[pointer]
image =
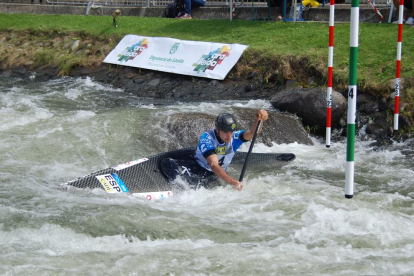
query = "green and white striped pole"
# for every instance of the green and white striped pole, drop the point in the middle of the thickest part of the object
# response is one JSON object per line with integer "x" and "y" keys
{"x": 352, "y": 97}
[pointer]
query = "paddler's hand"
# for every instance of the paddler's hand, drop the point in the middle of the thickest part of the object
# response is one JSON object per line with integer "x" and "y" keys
{"x": 237, "y": 184}
{"x": 262, "y": 115}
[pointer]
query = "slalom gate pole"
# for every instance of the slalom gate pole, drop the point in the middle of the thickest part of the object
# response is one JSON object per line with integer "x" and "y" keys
{"x": 231, "y": 10}
{"x": 352, "y": 97}
{"x": 330, "y": 72}
{"x": 250, "y": 151}
{"x": 376, "y": 11}
{"x": 397, "y": 80}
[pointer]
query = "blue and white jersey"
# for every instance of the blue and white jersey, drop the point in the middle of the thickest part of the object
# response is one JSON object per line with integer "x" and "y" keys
{"x": 225, "y": 152}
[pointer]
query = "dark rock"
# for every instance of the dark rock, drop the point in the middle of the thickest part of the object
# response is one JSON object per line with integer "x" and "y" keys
{"x": 382, "y": 104}
{"x": 214, "y": 83}
{"x": 344, "y": 93}
{"x": 249, "y": 87}
{"x": 403, "y": 121}
{"x": 279, "y": 128}
{"x": 7, "y": 74}
{"x": 290, "y": 83}
{"x": 20, "y": 71}
{"x": 311, "y": 80}
{"x": 364, "y": 98}
{"x": 154, "y": 82}
{"x": 234, "y": 78}
{"x": 310, "y": 105}
{"x": 252, "y": 75}
{"x": 130, "y": 75}
{"x": 273, "y": 77}
{"x": 342, "y": 122}
{"x": 381, "y": 144}
{"x": 380, "y": 118}
{"x": 369, "y": 107}
{"x": 184, "y": 129}
{"x": 390, "y": 106}
{"x": 46, "y": 73}
{"x": 390, "y": 131}
{"x": 406, "y": 136}
{"x": 112, "y": 74}
{"x": 88, "y": 71}
{"x": 367, "y": 104}
{"x": 138, "y": 80}
{"x": 374, "y": 129}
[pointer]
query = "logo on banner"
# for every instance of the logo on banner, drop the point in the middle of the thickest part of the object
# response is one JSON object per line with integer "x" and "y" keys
{"x": 133, "y": 51}
{"x": 211, "y": 60}
{"x": 193, "y": 58}
{"x": 174, "y": 48}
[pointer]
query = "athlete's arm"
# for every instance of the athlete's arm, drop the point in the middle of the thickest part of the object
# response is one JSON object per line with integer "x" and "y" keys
{"x": 221, "y": 173}
{"x": 261, "y": 115}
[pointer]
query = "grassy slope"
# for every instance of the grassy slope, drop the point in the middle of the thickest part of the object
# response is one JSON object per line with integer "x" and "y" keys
{"x": 377, "y": 50}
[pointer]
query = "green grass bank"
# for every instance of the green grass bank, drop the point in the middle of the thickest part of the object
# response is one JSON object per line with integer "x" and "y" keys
{"x": 295, "y": 50}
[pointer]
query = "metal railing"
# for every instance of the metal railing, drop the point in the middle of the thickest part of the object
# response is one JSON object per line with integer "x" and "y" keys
{"x": 375, "y": 2}
{"x": 153, "y": 3}
{"x": 382, "y": 2}
{"x": 130, "y": 3}
{"x": 163, "y": 3}
{"x": 212, "y": 3}
{"x": 118, "y": 3}
{"x": 68, "y": 2}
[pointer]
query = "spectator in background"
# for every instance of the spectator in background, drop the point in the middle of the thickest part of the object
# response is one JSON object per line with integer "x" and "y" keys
{"x": 408, "y": 4}
{"x": 278, "y": 4}
{"x": 115, "y": 17}
{"x": 186, "y": 12}
{"x": 40, "y": 1}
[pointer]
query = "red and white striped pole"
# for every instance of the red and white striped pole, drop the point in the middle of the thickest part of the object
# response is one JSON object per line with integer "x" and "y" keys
{"x": 397, "y": 80}
{"x": 330, "y": 72}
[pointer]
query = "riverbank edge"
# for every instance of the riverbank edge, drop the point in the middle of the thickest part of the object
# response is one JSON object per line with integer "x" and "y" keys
{"x": 255, "y": 76}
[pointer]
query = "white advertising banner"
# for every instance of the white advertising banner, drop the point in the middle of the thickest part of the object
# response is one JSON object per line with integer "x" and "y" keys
{"x": 194, "y": 58}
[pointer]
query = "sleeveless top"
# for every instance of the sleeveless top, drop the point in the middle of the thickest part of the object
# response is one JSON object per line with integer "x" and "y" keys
{"x": 209, "y": 143}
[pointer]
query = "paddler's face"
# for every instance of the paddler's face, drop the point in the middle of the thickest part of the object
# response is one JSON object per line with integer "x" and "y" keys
{"x": 226, "y": 136}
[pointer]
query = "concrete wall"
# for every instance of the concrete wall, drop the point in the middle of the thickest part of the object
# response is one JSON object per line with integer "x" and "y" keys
{"x": 18, "y": 1}
{"x": 342, "y": 12}
{"x": 244, "y": 13}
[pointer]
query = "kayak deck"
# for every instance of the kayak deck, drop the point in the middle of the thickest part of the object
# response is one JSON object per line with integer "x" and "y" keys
{"x": 156, "y": 173}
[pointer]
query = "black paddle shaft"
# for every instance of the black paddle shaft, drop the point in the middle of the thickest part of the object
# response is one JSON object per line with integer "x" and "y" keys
{"x": 249, "y": 152}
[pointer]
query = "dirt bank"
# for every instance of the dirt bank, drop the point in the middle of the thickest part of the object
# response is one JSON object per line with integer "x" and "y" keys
{"x": 68, "y": 52}
{"x": 51, "y": 54}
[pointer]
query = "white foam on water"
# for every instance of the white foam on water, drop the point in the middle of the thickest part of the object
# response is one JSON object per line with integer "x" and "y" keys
{"x": 80, "y": 116}
{"x": 345, "y": 226}
{"x": 218, "y": 107}
{"x": 89, "y": 82}
{"x": 292, "y": 220}
{"x": 145, "y": 106}
{"x": 53, "y": 240}
{"x": 73, "y": 93}
{"x": 45, "y": 133}
{"x": 18, "y": 110}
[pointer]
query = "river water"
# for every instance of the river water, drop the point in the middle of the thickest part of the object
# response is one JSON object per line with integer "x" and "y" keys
{"x": 293, "y": 220}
